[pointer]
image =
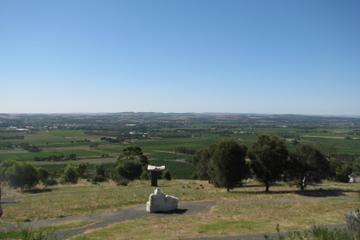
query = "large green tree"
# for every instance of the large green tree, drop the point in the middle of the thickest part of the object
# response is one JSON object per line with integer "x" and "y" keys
{"x": 134, "y": 153}
{"x": 268, "y": 159}
{"x": 227, "y": 166}
{"x": 306, "y": 164}
{"x": 21, "y": 175}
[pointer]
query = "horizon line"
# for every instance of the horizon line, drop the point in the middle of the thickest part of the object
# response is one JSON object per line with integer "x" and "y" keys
{"x": 159, "y": 112}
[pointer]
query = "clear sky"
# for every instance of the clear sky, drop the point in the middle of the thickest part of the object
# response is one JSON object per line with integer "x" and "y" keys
{"x": 254, "y": 56}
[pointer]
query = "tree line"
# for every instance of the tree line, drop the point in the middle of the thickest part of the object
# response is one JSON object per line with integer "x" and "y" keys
{"x": 227, "y": 163}
{"x": 130, "y": 165}
{"x": 224, "y": 164}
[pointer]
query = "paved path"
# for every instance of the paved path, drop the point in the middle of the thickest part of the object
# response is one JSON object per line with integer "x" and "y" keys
{"x": 106, "y": 219}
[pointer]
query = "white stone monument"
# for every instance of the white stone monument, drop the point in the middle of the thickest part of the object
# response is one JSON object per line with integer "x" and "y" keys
{"x": 160, "y": 202}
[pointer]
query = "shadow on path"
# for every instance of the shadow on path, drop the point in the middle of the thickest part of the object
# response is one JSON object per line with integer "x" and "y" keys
{"x": 176, "y": 211}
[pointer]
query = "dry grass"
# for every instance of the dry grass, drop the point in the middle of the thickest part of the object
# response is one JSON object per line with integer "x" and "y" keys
{"x": 232, "y": 218}
{"x": 85, "y": 198}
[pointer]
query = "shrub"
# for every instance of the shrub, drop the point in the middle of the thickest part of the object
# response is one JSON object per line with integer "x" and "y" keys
{"x": 98, "y": 178}
{"x": 33, "y": 235}
{"x": 145, "y": 175}
{"x": 167, "y": 175}
{"x": 70, "y": 174}
{"x": 321, "y": 233}
{"x": 21, "y": 175}
{"x": 81, "y": 170}
{"x": 129, "y": 169}
{"x": 201, "y": 163}
{"x": 43, "y": 175}
{"x": 4, "y": 166}
{"x": 50, "y": 182}
{"x": 317, "y": 233}
{"x": 100, "y": 170}
{"x": 353, "y": 221}
{"x": 120, "y": 180}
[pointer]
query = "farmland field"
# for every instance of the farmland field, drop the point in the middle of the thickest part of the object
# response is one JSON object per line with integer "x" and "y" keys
{"x": 162, "y": 135}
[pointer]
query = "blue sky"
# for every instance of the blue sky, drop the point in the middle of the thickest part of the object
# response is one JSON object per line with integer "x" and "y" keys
{"x": 254, "y": 56}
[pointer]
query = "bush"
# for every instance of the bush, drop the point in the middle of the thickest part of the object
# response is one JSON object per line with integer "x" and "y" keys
{"x": 353, "y": 221}
{"x": 321, "y": 233}
{"x": 70, "y": 174}
{"x": 4, "y": 166}
{"x": 120, "y": 180}
{"x": 81, "y": 170}
{"x": 317, "y": 233}
{"x": 129, "y": 169}
{"x": 145, "y": 175}
{"x": 201, "y": 163}
{"x": 50, "y": 182}
{"x": 43, "y": 175}
{"x": 21, "y": 175}
{"x": 167, "y": 175}
{"x": 98, "y": 178}
{"x": 100, "y": 170}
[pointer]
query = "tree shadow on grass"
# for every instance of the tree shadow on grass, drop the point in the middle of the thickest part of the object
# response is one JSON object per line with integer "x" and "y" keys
{"x": 307, "y": 193}
{"x": 323, "y": 193}
{"x": 251, "y": 186}
{"x": 37, "y": 190}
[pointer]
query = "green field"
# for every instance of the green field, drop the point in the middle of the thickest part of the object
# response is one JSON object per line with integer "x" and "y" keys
{"x": 160, "y": 135}
{"x": 162, "y": 150}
